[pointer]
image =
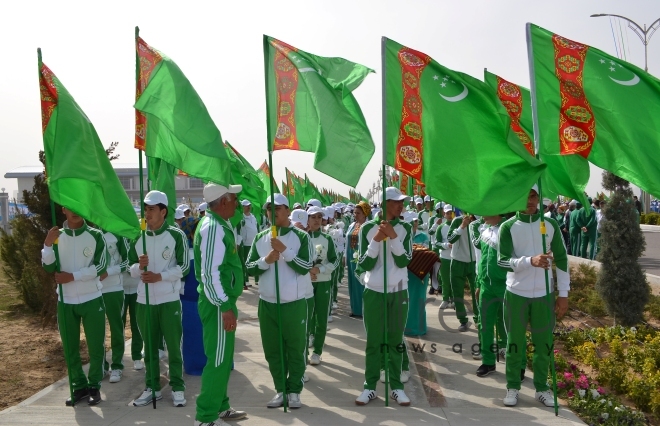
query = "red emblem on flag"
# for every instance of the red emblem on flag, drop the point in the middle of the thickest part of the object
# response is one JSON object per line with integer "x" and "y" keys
{"x": 148, "y": 59}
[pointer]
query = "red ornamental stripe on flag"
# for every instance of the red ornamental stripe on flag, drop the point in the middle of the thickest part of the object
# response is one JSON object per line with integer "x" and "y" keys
{"x": 409, "y": 147}
{"x": 48, "y": 93}
{"x": 148, "y": 59}
{"x": 404, "y": 184}
{"x": 577, "y": 125}
{"x": 286, "y": 78}
{"x": 264, "y": 168}
{"x": 511, "y": 97}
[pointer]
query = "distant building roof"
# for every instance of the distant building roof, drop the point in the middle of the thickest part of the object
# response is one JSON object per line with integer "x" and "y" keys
{"x": 122, "y": 169}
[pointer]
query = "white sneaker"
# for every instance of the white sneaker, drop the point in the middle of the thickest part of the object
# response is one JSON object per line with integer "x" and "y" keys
{"x": 329, "y": 318}
{"x": 277, "y": 401}
{"x": 311, "y": 341}
{"x": 382, "y": 376}
{"x": 452, "y": 305}
{"x": 400, "y": 396}
{"x": 294, "y": 400}
{"x": 511, "y": 398}
{"x": 315, "y": 359}
{"x": 477, "y": 355}
{"x": 502, "y": 354}
{"x": 115, "y": 376}
{"x": 405, "y": 376}
{"x": 546, "y": 398}
{"x": 231, "y": 414}
{"x": 138, "y": 364}
{"x": 146, "y": 398}
{"x": 178, "y": 400}
{"x": 445, "y": 304}
{"x": 366, "y": 396}
{"x": 213, "y": 423}
{"x": 334, "y": 305}
{"x": 162, "y": 354}
{"x": 305, "y": 378}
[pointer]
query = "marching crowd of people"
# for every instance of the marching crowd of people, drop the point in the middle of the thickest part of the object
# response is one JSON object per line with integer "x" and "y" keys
{"x": 297, "y": 256}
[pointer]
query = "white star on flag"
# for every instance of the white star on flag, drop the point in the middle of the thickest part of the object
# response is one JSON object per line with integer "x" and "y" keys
{"x": 612, "y": 68}
{"x": 602, "y": 61}
{"x": 453, "y": 81}
{"x": 612, "y": 62}
{"x": 443, "y": 84}
{"x": 435, "y": 77}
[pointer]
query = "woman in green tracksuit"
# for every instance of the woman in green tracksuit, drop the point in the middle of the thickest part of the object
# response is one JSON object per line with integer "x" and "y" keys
{"x": 442, "y": 244}
{"x": 167, "y": 261}
{"x": 293, "y": 253}
{"x": 130, "y": 285}
{"x": 325, "y": 261}
{"x": 82, "y": 259}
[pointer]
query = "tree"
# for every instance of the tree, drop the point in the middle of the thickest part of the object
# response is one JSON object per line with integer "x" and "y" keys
{"x": 20, "y": 251}
{"x": 621, "y": 281}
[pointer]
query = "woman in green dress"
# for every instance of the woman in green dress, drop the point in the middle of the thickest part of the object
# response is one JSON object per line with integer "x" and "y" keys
{"x": 355, "y": 287}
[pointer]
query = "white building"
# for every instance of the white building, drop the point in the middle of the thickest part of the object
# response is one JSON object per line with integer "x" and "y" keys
{"x": 187, "y": 188}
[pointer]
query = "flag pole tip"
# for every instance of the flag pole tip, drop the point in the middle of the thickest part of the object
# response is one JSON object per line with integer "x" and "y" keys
{"x": 137, "y": 31}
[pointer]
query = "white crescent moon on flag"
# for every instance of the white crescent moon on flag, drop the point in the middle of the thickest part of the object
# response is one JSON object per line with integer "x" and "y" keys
{"x": 631, "y": 82}
{"x": 458, "y": 97}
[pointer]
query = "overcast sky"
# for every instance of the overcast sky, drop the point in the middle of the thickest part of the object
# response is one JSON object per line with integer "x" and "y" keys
{"x": 89, "y": 45}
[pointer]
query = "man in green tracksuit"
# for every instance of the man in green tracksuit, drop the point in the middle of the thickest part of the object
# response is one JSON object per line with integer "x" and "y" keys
{"x": 113, "y": 298}
{"x": 130, "y": 285}
{"x": 462, "y": 267}
{"x": 574, "y": 229}
{"x": 588, "y": 224}
{"x": 219, "y": 271}
{"x": 83, "y": 257}
{"x": 293, "y": 253}
{"x": 167, "y": 262}
{"x": 385, "y": 244}
{"x": 526, "y": 300}
{"x": 492, "y": 280}
{"x": 441, "y": 231}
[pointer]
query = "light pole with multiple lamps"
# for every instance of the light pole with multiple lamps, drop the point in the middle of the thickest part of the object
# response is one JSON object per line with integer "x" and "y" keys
{"x": 644, "y": 35}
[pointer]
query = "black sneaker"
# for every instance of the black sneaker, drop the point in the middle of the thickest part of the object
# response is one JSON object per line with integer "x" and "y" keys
{"x": 485, "y": 370}
{"x": 94, "y": 396}
{"x": 522, "y": 375}
{"x": 431, "y": 291}
{"x": 78, "y": 395}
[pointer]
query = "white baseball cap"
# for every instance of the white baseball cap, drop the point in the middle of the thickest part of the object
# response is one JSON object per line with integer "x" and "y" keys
{"x": 246, "y": 203}
{"x": 314, "y": 202}
{"x": 427, "y": 198}
{"x": 419, "y": 200}
{"x": 315, "y": 210}
{"x": 280, "y": 200}
{"x": 297, "y": 206}
{"x": 448, "y": 208}
{"x": 179, "y": 214}
{"x": 535, "y": 188}
{"x": 392, "y": 193}
{"x": 155, "y": 197}
{"x": 410, "y": 217}
{"x": 299, "y": 216}
{"x": 438, "y": 205}
{"x": 572, "y": 203}
{"x": 183, "y": 208}
{"x": 329, "y": 212}
{"x": 202, "y": 207}
{"x": 547, "y": 202}
{"x": 213, "y": 191}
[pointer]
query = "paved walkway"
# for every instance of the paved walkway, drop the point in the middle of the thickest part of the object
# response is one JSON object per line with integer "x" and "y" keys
{"x": 443, "y": 388}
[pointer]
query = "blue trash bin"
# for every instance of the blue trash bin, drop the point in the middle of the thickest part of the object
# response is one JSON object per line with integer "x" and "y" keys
{"x": 192, "y": 349}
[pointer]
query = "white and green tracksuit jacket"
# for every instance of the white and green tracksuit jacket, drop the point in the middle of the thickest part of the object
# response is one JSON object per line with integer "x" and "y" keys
{"x": 324, "y": 255}
{"x": 118, "y": 263}
{"x": 519, "y": 241}
{"x": 167, "y": 248}
{"x": 371, "y": 262}
{"x": 218, "y": 266}
{"x": 129, "y": 283}
{"x": 82, "y": 252}
{"x": 440, "y": 241}
{"x": 488, "y": 268}
{"x": 462, "y": 248}
{"x": 295, "y": 262}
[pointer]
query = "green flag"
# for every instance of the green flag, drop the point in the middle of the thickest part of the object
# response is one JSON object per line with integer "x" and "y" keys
{"x": 310, "y": 107}
{"x": 242, "y": 173}
{"x": 172, "y": 122}
{"x": 296, "y": 192}
{"x": 447, "y": 129}
{"x": 593, "y": 107}
{"x": 517, "y": 101}
{"x": 311, "y": 191}
{"x": 266, "y": 178}
{"x": 161, "y": 175}
{"x": 80, "y": 176}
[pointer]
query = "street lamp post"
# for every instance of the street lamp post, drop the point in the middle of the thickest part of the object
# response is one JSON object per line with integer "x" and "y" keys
{"x": 644, "y": 35}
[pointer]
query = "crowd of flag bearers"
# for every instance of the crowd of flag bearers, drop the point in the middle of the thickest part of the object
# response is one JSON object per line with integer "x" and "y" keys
{"x": 297, "y": 265}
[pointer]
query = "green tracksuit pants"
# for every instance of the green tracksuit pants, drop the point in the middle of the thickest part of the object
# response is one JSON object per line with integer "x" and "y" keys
{"x": 334, "y": 281}
{"x": 165, "y": 322}
{"x": 588, "y": 239}
{"x": 319, "y": 321}
{"x": 376, "y": 326}
{"x": 405, "y": 360}
{"x": 518, "y": 312}
{"x": 294, "y": 331}
{"x": 130, "y": 306}
{"x": 445, "y": 279}
{"x": 114, "y": 311}
{"x": 219, "y": 351}
{"x": 311, "y": 311}
{"x": 575, "y": 241}
{"x": 491, "y": 299}
{"x": 460, "y": 273}
{"x": 92, "y": 316}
